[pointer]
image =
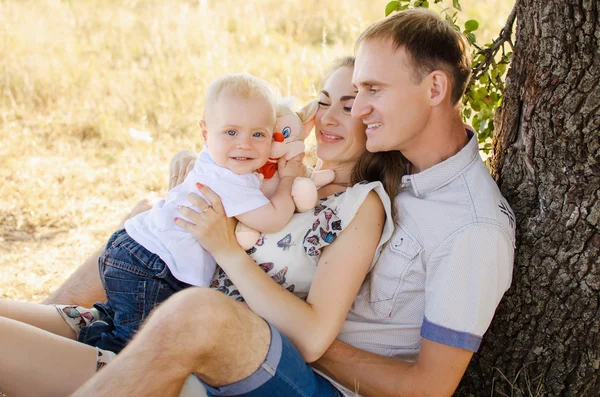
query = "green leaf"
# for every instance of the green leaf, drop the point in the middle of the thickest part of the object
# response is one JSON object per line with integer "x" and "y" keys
{"x": 502, "y": 68}
{"x": 485, "y": 79}
{"x": 468, "y": 113}
{"x": 471, "y": 25}
{"x": 471, "y": 37}
{"x": 391, "y": 7}
{"x": 494, "y": 73}
{"x": 456, "y": 4}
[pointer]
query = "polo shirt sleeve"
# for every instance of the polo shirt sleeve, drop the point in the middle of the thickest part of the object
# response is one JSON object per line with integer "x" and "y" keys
{"x": 466, "y": 277}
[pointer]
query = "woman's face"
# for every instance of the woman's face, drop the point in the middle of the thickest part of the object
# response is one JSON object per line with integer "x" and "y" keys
{"x": 340, "y": 137}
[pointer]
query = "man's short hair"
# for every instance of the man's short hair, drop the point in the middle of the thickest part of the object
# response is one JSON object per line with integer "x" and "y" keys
{"x": 242, "y": 85}
{"x": 430, "y": 42}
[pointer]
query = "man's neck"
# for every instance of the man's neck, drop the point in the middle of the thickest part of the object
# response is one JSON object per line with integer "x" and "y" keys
{"x": 439, "y": 141}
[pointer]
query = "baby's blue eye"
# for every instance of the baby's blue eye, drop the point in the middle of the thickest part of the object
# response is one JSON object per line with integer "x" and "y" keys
{"x": 286, "y": 132}
{"x": 231, "y": 132}
{"x": 257, "y": 134}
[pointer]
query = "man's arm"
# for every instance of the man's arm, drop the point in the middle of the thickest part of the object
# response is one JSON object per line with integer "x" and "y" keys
{"x": 436, "y": 372}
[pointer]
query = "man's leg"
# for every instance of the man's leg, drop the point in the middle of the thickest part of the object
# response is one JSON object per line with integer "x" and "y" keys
{"x": 229, "y": 347}
{"x": 196, "y": 331}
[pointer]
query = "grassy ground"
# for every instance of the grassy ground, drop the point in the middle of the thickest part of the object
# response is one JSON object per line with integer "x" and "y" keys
{"x": 76, "y": 76}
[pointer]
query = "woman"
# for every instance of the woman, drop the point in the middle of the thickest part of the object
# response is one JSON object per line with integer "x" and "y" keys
{"x": 39, "y": 356}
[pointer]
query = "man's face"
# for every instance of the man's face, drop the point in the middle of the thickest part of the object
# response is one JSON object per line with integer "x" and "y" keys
{"x": 389, "y": 101}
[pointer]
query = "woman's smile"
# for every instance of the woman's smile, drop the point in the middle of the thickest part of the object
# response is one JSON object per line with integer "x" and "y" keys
{"x": 330, "y": 137}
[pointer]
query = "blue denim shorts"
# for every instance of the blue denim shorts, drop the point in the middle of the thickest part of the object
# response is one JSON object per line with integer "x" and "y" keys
{"x": 284, "y": 373}
{"x": 135, "y": 282}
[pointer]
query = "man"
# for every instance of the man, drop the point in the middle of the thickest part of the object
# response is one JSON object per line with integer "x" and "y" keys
{"x": 424, "y": 308}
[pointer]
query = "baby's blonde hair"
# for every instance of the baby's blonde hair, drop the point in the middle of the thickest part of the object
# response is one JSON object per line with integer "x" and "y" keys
{"x": 243, "y": 85}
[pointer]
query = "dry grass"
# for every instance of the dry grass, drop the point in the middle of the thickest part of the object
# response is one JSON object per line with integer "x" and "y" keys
{"x": 76, "y": 75}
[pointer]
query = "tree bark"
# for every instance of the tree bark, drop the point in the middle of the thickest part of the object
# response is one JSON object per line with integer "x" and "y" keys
{"x": 545, "y": 340}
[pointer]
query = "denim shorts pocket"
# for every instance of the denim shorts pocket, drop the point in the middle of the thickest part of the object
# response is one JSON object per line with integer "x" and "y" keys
{"x": 127, "y": 295}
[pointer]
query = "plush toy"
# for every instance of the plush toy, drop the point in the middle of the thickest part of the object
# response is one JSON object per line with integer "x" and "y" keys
{"x": 288, "y": 140}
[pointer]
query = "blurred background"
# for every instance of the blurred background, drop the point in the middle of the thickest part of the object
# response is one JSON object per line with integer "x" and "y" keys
{"x": 97, "y": 96}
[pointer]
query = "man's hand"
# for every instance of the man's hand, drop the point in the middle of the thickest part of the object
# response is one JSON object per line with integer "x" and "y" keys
{"x": 181, "y": 164}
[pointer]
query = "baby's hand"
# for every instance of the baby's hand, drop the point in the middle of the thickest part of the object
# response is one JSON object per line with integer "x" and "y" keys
{"x": 292, "y": 167}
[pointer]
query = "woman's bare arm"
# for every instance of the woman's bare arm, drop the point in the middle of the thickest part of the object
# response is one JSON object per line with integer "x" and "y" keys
{"x": 310, "y": 325}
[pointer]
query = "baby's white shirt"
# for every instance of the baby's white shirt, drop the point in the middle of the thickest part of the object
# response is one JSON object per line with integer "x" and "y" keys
{"x": 156, "y": 230}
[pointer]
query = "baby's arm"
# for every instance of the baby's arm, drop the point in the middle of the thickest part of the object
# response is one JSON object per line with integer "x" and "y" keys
{"x": 272, "y": 217}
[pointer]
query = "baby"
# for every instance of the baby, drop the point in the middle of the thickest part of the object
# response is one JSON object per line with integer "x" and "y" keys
{"x": 153, "y": 258}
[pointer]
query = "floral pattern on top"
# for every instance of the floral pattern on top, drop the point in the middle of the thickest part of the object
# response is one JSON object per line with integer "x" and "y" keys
{"x": 324, "y": 230}
{"x": 291, "y": 256}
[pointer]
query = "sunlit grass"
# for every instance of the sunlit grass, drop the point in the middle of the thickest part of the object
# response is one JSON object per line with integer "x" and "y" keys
{"x": 77, "y": 75}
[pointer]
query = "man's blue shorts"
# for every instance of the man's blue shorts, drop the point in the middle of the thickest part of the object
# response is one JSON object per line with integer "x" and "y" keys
{"x": 284, "y": 373}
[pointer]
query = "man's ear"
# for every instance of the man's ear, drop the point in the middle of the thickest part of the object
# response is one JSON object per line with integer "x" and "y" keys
{"x": 202, "y": 124}
{"x": 439, "y": 87}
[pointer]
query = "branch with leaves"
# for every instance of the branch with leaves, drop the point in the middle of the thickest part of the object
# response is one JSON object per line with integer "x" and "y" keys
{"x": 489, "y": 63}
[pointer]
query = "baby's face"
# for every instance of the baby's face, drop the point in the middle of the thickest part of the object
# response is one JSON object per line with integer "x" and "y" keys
{"x": 238, "y": 132}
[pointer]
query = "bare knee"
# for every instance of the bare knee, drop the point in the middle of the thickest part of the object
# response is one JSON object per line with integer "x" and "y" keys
{"x": 194, "y": 320}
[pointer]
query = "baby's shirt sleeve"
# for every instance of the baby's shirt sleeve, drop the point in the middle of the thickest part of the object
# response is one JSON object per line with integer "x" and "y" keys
{"x": 238, "y": 193}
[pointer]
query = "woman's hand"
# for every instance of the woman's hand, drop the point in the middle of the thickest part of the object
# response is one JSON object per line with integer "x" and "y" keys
{"x": 181, "y": 164}
{"x": 292, "y": 167}
{"x": 211, "y": 227}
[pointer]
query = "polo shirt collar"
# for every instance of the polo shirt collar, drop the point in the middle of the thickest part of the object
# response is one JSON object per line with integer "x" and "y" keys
{"x": 440, "y": 174}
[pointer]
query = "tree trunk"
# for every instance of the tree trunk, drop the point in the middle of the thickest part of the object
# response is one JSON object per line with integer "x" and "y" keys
{"x": 547, "y": 163}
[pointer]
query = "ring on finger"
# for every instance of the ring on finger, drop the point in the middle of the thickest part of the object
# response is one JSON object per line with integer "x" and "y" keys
{"x": 204, "y": 211}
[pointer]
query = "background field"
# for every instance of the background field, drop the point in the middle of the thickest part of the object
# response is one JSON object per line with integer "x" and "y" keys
{"x": 76, "y": 76}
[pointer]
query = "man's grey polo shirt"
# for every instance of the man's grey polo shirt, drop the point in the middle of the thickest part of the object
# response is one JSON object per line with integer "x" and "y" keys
{"x": 446, "y": 267}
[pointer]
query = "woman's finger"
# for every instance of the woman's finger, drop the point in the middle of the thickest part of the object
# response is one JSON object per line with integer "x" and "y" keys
{"x": 212, "y": 197}
{"x": 197, "y": 220}
{"x": 185, "y": 225}
{"x": 198, "y": 201}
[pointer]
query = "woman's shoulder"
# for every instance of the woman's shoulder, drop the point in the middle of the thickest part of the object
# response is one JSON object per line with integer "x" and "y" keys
{"x": 346, "y": 203}
{"x": 357, "y": 194}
